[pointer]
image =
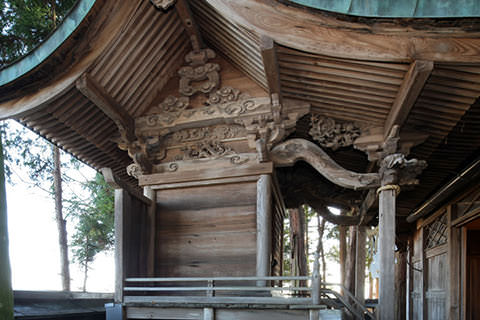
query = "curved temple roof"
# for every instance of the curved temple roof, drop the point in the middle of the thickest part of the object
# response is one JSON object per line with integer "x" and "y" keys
{"x": 424, "y": 78}
{"x": 398, "y": 9}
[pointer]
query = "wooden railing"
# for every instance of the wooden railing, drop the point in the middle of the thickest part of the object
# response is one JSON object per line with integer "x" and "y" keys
{"x": 312, "y": 296}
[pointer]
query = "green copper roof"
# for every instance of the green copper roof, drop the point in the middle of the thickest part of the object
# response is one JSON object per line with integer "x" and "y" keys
{"x": 46, "y": 48}
{"x": 398, "y": 8}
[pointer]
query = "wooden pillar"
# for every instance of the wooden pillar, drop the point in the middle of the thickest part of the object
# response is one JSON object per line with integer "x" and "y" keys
{"x": 343, "y": 253}
{"x": 264, "y": 226}
{"x": 121, "y": 198}
{"x": 152, "y": 213}
{"x": 360, "y": 263}
{"x": 6, "y": 294}
{"x": 297, "y": 243}
{"x": 401, "y": 285}
{"x": 386, "y": 248}
{"x": 453, "y": 267}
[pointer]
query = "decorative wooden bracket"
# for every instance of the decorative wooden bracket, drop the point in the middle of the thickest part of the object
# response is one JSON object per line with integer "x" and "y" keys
{"x": 291, "y": 151}
{"x": 126, "y": 125}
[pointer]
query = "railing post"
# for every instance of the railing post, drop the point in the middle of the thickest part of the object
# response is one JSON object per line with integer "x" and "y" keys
{"x": 211, "y": 284}
{"x": 316, "y": 281}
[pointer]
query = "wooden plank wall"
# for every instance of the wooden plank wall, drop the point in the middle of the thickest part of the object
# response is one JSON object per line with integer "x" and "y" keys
{"x": 206, "y": 231}
{"x": 136, "y": 237}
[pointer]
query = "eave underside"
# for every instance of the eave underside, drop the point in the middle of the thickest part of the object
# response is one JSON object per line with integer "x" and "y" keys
{"x": 149, "y": 46}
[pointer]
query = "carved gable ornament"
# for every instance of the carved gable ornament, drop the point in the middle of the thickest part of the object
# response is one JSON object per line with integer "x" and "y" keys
{"x": 331, "y": 134}
{"x": 228, "y": 125}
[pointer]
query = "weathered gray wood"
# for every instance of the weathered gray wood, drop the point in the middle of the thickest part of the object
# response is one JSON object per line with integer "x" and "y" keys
{"x": 208, "y": 314}
{"x": 400, "y": 285}
{"x": 130, "y": 300}
{"x": 225, "y": 314}
{"x": 207, "y": 174}
{"x": 97, "y": 94}
{"x": 293, "y": 150}
{"x": 6, "y": 295}
{"x": 360, "y": 263}
{"x": 152, "y": 212}
{"x": 164, "y": 313}
{"x": 410, "y": 89}
{"x": 120, "y": 206}
{"x": 313, "y": 315}
{"x": 386, "y": 249}
{"x": 342, "y": 252}
{"x": 116, "y": 183}
{"x": 270, "y": 65}
{"x": 453, "y": 267}
{"x": 264, "y": 226}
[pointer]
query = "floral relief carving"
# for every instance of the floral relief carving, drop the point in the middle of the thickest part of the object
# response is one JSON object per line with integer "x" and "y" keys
{"x": 330, "y": 134}
{"x": 200, "y": 75}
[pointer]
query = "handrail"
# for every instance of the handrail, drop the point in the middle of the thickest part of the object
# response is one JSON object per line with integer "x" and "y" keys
{"x": 350, "y": 296}
{"x": 316, "y": 287}
{"x": 187, "y": 279}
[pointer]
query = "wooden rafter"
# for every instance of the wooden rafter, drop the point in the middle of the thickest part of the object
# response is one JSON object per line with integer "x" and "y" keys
{"x": 408, "y": 93}
{"x": 97, "y": 95}
{"x": 270, "y": 65}
{"x": 185, "y": 14}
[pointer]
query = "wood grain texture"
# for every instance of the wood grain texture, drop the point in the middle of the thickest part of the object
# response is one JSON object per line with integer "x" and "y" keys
{"x": 293, "y": 150}
{"x": 264, "y": 227}
{"x": 206, "y": 230}
{"x": 386, "y": 249}
{"x": 302, "y": 30}
{"x": 408, "y": 93}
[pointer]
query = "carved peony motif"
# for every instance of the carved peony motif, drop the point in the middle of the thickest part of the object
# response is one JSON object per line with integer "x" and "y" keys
{"x": 331, "y": 134}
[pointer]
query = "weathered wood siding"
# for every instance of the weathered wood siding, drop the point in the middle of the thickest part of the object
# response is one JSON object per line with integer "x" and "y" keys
{"x": 473, "y": 274}
{"x": 136, "y": 237}
{"x": 206, "y": 231}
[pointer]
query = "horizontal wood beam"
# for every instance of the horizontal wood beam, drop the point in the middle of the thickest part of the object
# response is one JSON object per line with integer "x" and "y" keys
{"x": 91, "y": 89}
{"x": 408, "y": 93}
{"x": 115, "y": 182}
{"x": 270, "y": 65}
{"x": 323, "y": 34}
{"x": 293, "y": 150}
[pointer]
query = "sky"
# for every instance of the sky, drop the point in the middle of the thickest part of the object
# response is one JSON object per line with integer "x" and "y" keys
{"x": 33, "y": 241}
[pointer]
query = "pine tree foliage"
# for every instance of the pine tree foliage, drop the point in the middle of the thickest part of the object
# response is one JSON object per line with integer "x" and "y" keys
{"x": 24, "y": 24}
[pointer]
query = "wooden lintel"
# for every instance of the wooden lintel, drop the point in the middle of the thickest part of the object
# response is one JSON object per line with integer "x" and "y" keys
{"x": 185, "y": 14}
{"x": 97, "y": 95}
{"x": 270, "y": 65}
{"x": 408, "y": 93}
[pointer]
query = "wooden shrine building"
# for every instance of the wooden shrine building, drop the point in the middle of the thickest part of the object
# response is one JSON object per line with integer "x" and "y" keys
{"x": 212, "y": 117}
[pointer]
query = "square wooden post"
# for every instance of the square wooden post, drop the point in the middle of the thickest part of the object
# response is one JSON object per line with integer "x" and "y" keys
{"x": 264, "y": 226}
{"x": 121, "y": 198}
